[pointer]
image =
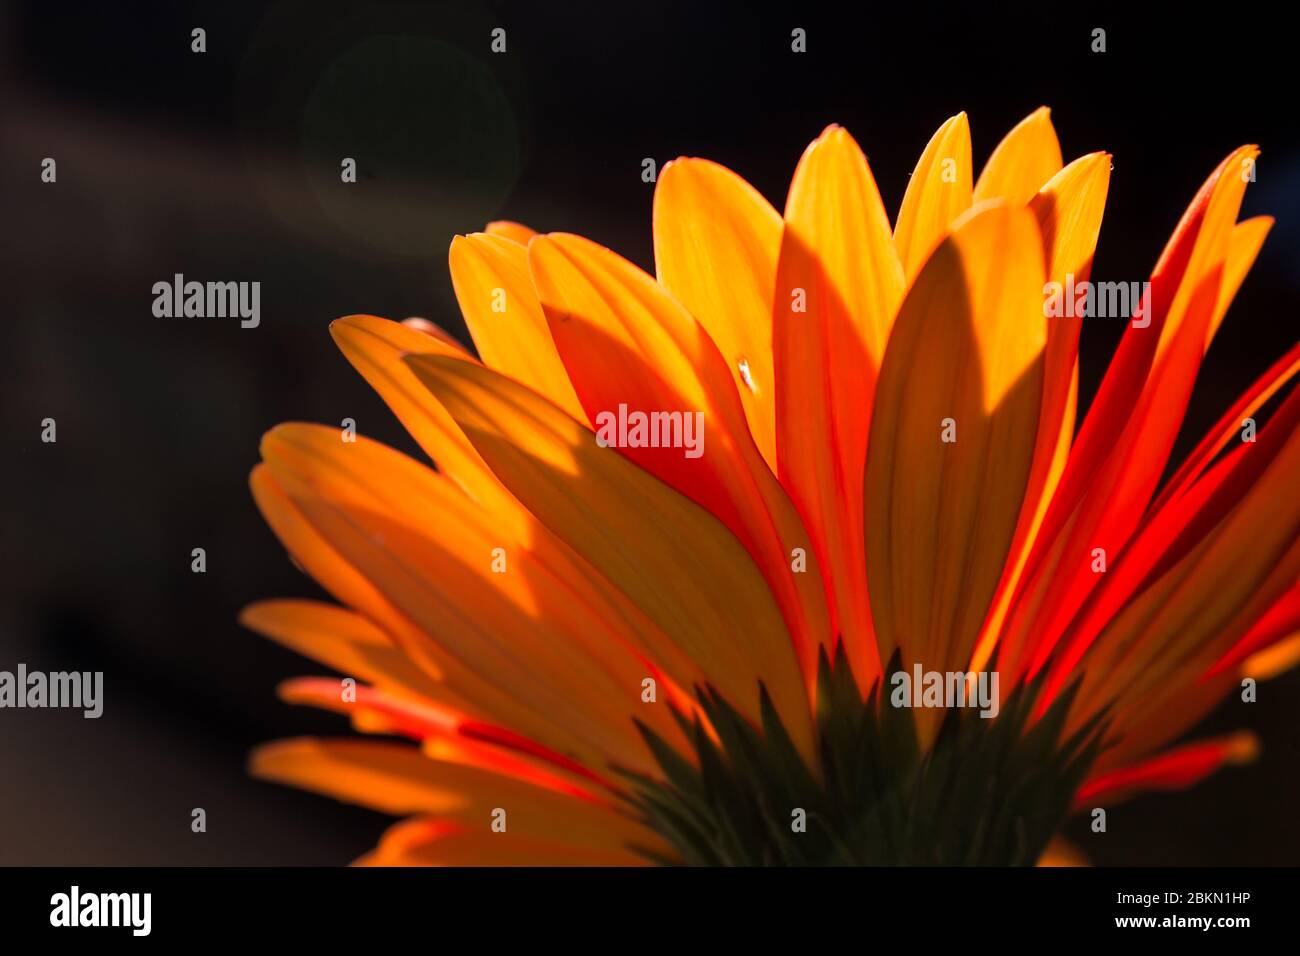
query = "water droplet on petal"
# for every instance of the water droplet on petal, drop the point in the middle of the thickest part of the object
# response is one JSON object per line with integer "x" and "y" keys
{"x": 746, "y": 375}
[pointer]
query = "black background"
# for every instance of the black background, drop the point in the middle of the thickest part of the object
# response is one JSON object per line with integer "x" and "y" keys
{"x": 224, "y": 165}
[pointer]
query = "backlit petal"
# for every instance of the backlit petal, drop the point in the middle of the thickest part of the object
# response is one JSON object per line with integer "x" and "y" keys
{"x": 686, "y": 571}
{"x": 967, "y": 347}
{"x": 1027, "y": 157}
{"x": 496, "y": 296}
{"x": 839, "y": 286}
{"x": 938, "y": 192}
{"x": 515, "y": 231}
{"x": 629, "y": 346}
{"x": 716, "y": 241}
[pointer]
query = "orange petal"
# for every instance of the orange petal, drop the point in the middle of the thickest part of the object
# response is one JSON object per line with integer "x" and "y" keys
{"x": 835, "y": 208}
{"x": 629, "y": 345}
{"x": 425, "y": 841}
{"x": 1027, "y": 157}
{"x": 1273, "y": 660}
{"x": 501, "y": 620}
{"x": 716, "y": 241}
{"x": 448, "y": 735}
{"x": 340, "y": 639}
{"x": 1214, "y": 244}
{"x": 1069, "y": 212}
{"x": 938, "y": 192}
{"x": 375, "y": 348}
{"x": 689, "y": 575}
{"x": 1069, "y": 208}
{"x": 496, "y": 296}
{"x": 839, "y": 284}
{"x": 1061, "y": 852}
{"x": 398, "y": 779}
{"x": 967, "y": 346}
{"x": 321, "y": 560}
{"x": 515, "y": 231}
{"x": 391, "y": 778}
{"x": 1265, "y": 650}
{"x": 435, "y": 331}
{"x": 1243, "y": 247}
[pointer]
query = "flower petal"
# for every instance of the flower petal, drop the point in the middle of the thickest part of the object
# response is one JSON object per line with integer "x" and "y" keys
{"x": 1261, "y": 646}
{"x": 507, "y": 630}
{"x": 1243, "y": 247}
{"x": 1173, "y": 532}
{"x": 630, "y": 345}
{"x": 398, "y": 779}
{"x": 716, "y": 241}
{"x": 1274, "y": 660}
{"x": 321, "y": 560}
{"x": 449, "y": 736}
{"x": 938, "y": 192}
{"x": 688, "y": 574}
{"x": 1229, "y": 426}
{"x": 1173, "y": 770}
{"x": 514, "y": 231}
{"x": 967, "y": 346}
{"x": 426, "y": 841}
{"x": 1169, "y": 636}
{"x": 839, "y": 285}
{"x": 340, "y": 639}
{"x": 496, "y": 296}
{"x": 375, "y": 348}
{"x": 1027, "y": 157}
{"x": 1069, "y": 211}
{"x": 1125, "y": 440}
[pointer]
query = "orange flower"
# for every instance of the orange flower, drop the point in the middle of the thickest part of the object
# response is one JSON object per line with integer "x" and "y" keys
{"x": 887, "y": 482}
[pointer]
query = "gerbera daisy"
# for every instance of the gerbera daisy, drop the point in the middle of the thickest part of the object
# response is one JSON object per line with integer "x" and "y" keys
{"x": 615, "y": 655}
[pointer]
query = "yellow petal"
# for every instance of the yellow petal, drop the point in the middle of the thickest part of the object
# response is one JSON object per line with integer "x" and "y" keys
{"x": 839, "y": 284}
{"x": 967, "y": 347}
{"x": 1069, "y": 208}
{"x": 835, "y": 207}
{"x": 716, "y": 241}
{"x": 1027, "y": 157}
{"x": 938, "y": 192}
{"x": 686, "y": 571}
{"x": 496, "y": 296}
{"x": 1069, "y": 211}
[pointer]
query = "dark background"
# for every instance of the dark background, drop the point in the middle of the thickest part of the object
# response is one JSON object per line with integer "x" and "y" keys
{"x": 224, "y": 165}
